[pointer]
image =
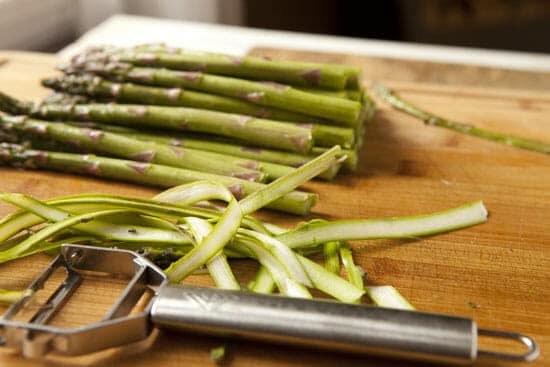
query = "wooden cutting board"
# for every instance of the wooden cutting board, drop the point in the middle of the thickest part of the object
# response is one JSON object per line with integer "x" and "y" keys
{"x": 497, "y": 273}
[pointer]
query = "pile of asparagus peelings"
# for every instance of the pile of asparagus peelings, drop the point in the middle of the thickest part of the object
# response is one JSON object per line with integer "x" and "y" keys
{"x": 161, "y": 116}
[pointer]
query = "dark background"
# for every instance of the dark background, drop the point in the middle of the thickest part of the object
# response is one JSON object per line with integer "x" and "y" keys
{"x": 498, "y": 24}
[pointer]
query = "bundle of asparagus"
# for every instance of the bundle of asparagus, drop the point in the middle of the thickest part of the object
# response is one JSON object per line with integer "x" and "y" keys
{"x": 202, "y": 113}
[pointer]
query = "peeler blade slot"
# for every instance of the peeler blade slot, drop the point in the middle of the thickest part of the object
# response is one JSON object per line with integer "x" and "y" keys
{"x": 130, "y": 296}
{"x": 57, "y": 299}
{"x": 36, "y": 285}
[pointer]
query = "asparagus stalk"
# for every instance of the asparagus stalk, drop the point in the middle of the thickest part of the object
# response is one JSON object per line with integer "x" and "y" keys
{"x": 285, "y": 136}
{"x": 230, "y": 147}
{"x": 397, "y": 102}
{"x": 97, "y": 87}
{"x": 121, "y": 146}
{"x": 329, "y": 76}
{"x": 295, "y": 202}
{"x": 262, "y": 93}
{"x": 145, "y": 147}
{"x": 351, "y": 94}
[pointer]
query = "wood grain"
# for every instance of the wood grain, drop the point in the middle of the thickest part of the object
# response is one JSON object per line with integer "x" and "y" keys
{"x": 498, "y": 273}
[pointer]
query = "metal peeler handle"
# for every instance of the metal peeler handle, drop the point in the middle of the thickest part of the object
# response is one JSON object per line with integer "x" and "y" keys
{"x": 314, "y": 323}
{"x": 324, "y": 324}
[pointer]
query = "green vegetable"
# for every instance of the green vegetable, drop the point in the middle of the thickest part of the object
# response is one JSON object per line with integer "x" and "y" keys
{"x": 397, "y": 102}
{"x": 388, "y": 296}
{"x": 330, "y": 76}
{"x": 261, "y": 93}
{"x": 8, "y": 297}
{"x": 95, "y": 86}
{"x": 404, "y": 227}
{"x": 256, "y": 131}
{"x": 253, "y": 156}
{"x": 125, "y": 147}
{"x": 295, "y": 202}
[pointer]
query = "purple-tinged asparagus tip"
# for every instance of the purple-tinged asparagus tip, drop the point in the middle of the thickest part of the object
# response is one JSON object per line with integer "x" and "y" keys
{"x": 263, "y": 113}
{"x": 116, "y": 65}
{"x": 18, "y": 119}
{"x": 82, "y": 112}
{"x": 115, "y": 90}
{"x": 312, "y": 76}
{"x": 242, "y": 120}
{"x": 95, "y": 135}
{"x": 140, "y": 168}
{"x": 39, "y": 128}
{"x": 93, "y": 169}
{"x": 147, "y": 57}
{"x": 173, "y": 93}
{"x": 301, "y": 141}
{"x": 140, "y": 76}
{"x": 236, "y": 60}
{"x": 252, "y": 150}
{"x": 177, "y": 143}
{"x": 248, "y": 176}
{"x": 189, "y": 76}
{"x": 145, "y": 156}
{"x": 255, "y": 165}
{"x": 276, "y": 86}
{"x": 254, "y": 97}
{"x": 138, "y": 111}
{"x": 237, "y": 190}
{"x": 177, "y": 151}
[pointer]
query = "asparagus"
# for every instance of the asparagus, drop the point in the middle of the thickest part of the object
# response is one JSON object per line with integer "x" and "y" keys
{"x": 299, "y": 73}
{"x": 351, "y": 94}
{"x": 121, "y": 146}
{"x": 97, "y": 87}
{"x": 396, "y": 102}
{"x": 229, "y": 147}
{"x": 295, "y": 202}
{"x": 285, "y": 136}
{"x": 262, "y": 93}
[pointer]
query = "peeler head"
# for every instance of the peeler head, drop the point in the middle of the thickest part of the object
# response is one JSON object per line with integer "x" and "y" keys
{"x": 122, "y": 324}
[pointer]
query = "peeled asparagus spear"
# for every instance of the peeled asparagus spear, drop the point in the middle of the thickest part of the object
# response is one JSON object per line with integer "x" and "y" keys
{"x": 97, "y": 87}
{"x": 430, "y": 119}
{"x": 295, "y": 202}
{"x": 262, "y": 93}
{"x": 280, "y": 135}
{"x": 329, "y": 76}
{"x": 126, "y": 147}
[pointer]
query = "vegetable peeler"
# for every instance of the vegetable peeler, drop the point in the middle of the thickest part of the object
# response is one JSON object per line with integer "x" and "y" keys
{"x": 311, "y": 323}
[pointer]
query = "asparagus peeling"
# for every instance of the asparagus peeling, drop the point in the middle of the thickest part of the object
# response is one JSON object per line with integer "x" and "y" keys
{"x": 227, "y": 233}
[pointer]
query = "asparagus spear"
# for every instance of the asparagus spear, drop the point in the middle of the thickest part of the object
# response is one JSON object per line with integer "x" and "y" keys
{"x": 285, "y": 136}
{"x": 228, "y": 147}
{"x": 430, "y": 119}
{"x": 262, "y": 93}
{"x": 97, "y": 87}
{"x": 351, "y": 94}
{"x": 299, "y": 73}
{"x": 295, "y": 202}
{"x": 125, "y": 147}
